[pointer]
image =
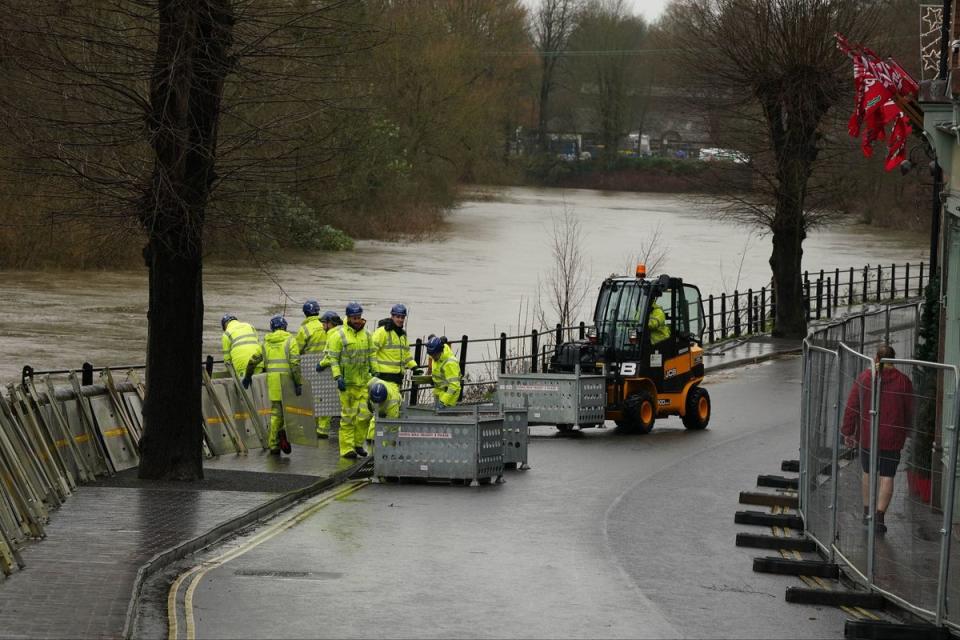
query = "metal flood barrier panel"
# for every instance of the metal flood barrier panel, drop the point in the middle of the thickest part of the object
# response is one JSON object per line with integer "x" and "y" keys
{"x": 555, "y": 398}
{"x": 516, "y": 431}
{"x": 441, "y": 447}
{"x": 116, "y": 436}
{"x": 319, "y": 386}
{"x": 298, "y": 414}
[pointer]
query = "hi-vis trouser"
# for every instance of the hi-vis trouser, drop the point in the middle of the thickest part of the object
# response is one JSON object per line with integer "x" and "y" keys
{"x": 354, "y": 418}
{"x": 276, "y": 423}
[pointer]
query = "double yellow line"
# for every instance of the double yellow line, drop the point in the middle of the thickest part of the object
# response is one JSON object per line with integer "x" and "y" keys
{"x": 195, "y": 575}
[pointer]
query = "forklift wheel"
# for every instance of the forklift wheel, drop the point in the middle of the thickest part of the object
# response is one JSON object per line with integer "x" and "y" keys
{"x": 698, "y": 409}
{"x": 639, "y": 412}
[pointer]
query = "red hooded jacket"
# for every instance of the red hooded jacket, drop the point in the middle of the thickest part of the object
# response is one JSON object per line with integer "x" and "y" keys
{"x": 896, "y": 409}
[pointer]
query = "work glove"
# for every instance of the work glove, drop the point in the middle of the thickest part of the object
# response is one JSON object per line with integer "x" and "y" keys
{"x": 341, "y": 384}
{"x": 297, "y": 388}
{"x": 321, "y": 367}
{"x": 417, "y": 371}
{"x": 246, "y": 382}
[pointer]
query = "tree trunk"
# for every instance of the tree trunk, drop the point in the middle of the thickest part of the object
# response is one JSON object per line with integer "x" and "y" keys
{"x": 171, "y": 446}
{"x": 789, "y": 233}
{"x": 543, "y": 114}
{"x": 185, "y": 92}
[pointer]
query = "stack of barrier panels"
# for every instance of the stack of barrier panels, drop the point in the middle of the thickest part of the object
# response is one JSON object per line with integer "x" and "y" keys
{"x": 516, "y": 432}
{"x": 459, "y": 447}
{"x": 555, "y": 398}
{"x": 53, "y": 440}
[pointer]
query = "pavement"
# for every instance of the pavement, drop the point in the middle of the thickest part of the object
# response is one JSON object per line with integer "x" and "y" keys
{"x": 84, "y": 578}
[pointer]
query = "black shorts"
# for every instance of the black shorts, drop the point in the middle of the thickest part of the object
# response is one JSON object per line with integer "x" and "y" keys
{"x": 888, "y": 462}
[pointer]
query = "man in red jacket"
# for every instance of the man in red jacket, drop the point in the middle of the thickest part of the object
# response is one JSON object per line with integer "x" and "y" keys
{"x": 896, "y": 419}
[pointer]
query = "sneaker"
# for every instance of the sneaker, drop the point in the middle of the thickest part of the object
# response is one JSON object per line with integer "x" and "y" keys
{"x": 274, "y": 452}
{"x": 322, "y": 436}
{"x": 350, "y": 454}
{"x": 361, "y": 452}
{"x": 284, "y": 443}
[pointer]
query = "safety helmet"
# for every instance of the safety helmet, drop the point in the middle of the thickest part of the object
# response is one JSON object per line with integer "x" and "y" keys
{"x": 278, "y": 322}
{"x": 225, "y": 320}
{"x": 434, "y": 346}
{"x": 311, "y": 308}
{"x": 354, "y": 309}
{"x": 378, "y": 392}
{"x": 329, "y": 316}
{"x": 398, "y": 310}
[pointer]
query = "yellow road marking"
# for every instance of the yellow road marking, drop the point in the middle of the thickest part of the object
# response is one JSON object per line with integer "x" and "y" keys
{"x": 197, "y": 573}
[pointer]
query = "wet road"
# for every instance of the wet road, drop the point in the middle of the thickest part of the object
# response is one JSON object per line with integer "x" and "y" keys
{"x": 606, "y": 536}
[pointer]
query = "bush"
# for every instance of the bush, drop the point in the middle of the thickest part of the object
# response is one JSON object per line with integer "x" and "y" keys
{"x": 301, "y": 226}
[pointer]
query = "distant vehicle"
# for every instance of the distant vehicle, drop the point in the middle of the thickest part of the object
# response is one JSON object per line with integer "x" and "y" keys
{"x": 723, "y": 155}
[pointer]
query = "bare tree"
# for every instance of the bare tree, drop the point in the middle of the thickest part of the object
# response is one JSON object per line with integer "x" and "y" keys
{"x": 770, "y": 74}
{"x": 651, "y": 251}
{"x": 568, "y": 282}
{"x": 607, "y": 71}
{"x": 149, "y": 116}
{"x": 551, "y": 25}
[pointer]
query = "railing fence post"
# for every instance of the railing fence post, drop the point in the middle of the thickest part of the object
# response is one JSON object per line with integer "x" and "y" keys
{"x": 763, "y": 310}
{"x": 819, "y": 298}
{"x": 463, "y": 364}
{"x": 723, "y": 316}
{"x": 710, "y": 317}
{"x": 749, "y": 310}
{"x": 556, "y": 346}
{"x": 893, "y": 281}
{"x": 850, "y": 289}
{"x": 836, "y": 288}
{"x": 866, "y": 272}
{"x": 906, "y": 282}
{"x": 921, "y": 279}
{"x": 503, "y": 352}
{"x": 879, "y": 281}
{"x": 736, "y": 313}
{"x": 86, "y": 374}
{"x": 414, "y": 387}
{"x": 583, "y": 330}
{"x": 829, "y": 299}
{"x": 534, "y": 351}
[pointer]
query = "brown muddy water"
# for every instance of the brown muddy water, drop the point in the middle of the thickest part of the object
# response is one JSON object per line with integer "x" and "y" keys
{"x": 479, "y": 276}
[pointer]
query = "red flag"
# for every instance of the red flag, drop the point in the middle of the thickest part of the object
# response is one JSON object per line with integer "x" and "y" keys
{"x": 876, "y": 83}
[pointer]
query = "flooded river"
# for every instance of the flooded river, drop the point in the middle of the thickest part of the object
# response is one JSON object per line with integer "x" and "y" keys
{"x": 473, "y": 277}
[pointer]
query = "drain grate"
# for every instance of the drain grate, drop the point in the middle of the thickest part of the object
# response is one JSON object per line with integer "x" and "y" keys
{"x": 299, "y": 575}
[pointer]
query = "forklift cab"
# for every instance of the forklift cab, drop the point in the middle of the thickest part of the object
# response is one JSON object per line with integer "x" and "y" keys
{"x": 623, "y": 310}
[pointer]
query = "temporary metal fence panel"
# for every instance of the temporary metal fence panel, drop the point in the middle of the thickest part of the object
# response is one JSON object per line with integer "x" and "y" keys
{"x": 298, "y": 416}
{"x": 855, "y": 384}
{"x": 516, "y": 431}
{"x": 902, "y": 330}
{"x": 555, "y": 398}
{"x": 116, "y": 437}
{"x": 875, "y": 331}
{"x": 448, "y": 447}
{"x": 907, "y": 556}
{"x": 819, "y": 443}
{"x": 320, "y": 386}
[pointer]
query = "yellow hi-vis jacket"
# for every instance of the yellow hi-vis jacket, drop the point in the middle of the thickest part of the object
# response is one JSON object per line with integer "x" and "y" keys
{"x": 311, "y": 337}
{"x": 389, "y": 408}
{"x": 391, "y": 353}
{"x": 281, "y": 357}
{"x": 239, "y": 342}
{"x": 446, "y": 377}
{"x": 350, "y": 354}
{"x": 657, "y": 324}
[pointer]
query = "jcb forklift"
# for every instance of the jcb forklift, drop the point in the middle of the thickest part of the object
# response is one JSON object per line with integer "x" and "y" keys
{"x": 644, "y": 380}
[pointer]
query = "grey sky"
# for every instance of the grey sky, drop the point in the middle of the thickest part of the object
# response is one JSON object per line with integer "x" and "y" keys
{"x": 649, "y": 9}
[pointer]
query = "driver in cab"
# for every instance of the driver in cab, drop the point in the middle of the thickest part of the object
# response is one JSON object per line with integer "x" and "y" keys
{"x": 657, "y": 326}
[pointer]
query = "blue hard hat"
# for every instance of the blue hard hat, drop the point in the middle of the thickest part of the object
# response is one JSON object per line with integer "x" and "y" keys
{"x": 378, "y": 392}
{"x": 311, "y": 308}
{"x": 398, "y": 310}
{"x": 225, "y": 320}
{"x": 434, "y": 346}
{"x": 329, "y": 316}
{"x": 354, "y": 309}
{"x": 278, "y": 322}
